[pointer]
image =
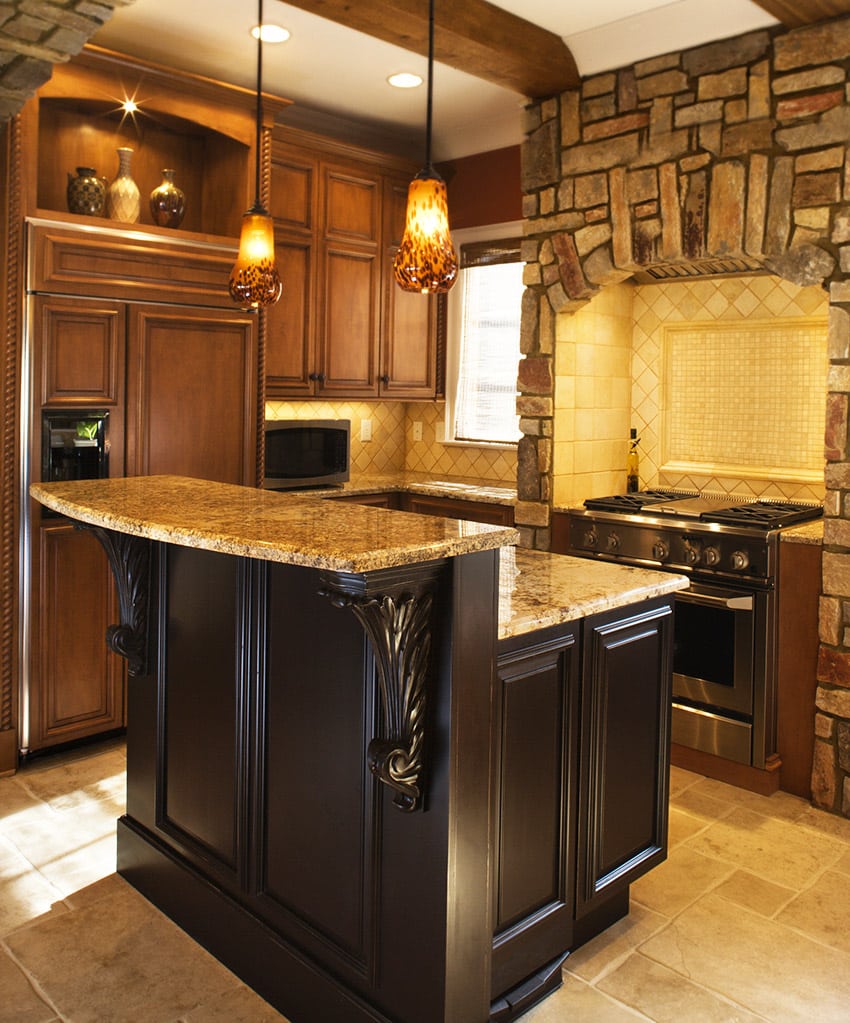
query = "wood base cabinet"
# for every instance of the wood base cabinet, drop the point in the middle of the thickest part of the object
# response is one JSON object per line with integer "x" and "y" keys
{"x": 76, "y": 684}
{"x": 582, "y": 784}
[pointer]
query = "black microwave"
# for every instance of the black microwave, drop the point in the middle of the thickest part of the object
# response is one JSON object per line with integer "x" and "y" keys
{"x": 306, "y": 452}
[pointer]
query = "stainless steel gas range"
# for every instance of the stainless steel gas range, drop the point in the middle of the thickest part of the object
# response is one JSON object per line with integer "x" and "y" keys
{"x": 724, "y": 660}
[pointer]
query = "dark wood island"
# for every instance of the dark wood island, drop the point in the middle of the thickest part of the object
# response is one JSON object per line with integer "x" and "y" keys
{"x": 367, "y": 785}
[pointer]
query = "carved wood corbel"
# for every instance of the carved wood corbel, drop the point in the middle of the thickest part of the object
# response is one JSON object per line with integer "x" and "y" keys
{"x": 399, "y": 628}
{"x": 129, "y": 559}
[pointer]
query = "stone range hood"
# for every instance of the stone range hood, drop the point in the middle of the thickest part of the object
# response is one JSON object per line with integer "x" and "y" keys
{"x": 734, "y": 154}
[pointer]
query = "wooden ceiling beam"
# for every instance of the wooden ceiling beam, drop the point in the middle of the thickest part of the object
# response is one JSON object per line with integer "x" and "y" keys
{"x": 471, "y": 36}
{"x": 796, "y": 13}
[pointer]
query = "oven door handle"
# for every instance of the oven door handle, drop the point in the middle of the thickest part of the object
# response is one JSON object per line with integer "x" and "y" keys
{"x": 740, "y": 603}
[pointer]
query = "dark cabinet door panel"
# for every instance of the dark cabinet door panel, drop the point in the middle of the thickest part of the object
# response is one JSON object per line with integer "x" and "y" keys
{"x": 535, "y": 817}
{"x": 313, "y": 880}
{"x": 625, "y": 754}
{"x": 201, "y": 757}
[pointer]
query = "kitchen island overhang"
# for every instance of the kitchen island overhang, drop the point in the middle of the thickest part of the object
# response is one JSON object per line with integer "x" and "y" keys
{"x": 311, "y": 738}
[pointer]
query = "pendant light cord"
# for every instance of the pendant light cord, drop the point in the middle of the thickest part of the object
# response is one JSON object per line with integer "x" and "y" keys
{"x": 258, "y": 206}
{"x": 428, "y": 166}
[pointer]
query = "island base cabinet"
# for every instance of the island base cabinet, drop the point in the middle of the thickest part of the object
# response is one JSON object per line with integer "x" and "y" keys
{"x": 582, "y": 779}
{"x": 625, "y": 752}
{"x": 537, "y": 729}
{"x": 253, "y": 817}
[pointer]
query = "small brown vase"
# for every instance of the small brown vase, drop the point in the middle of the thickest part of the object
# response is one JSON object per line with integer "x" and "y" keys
{"x": 168, "y": 203}
{"x": 86, "y": 193}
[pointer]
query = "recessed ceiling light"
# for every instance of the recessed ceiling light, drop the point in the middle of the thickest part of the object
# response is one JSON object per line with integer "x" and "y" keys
{"x": 405, "y": 80}
{"x": 270, "y": 33}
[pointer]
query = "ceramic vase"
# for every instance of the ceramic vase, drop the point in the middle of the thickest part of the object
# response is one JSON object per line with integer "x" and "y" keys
{"x": 168, "y": 202}
{"x": 122, "y": 196}
{"x": 86, "y": 193}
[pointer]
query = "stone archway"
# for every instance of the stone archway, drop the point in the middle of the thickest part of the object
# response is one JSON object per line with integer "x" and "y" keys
{"x": 732, "y": 154}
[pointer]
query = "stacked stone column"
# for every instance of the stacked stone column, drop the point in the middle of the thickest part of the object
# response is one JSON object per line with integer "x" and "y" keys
{"x": 729, "y": 157}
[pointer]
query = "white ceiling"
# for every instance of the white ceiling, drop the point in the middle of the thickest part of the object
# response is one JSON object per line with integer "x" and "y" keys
{"x": 332, "y": 73}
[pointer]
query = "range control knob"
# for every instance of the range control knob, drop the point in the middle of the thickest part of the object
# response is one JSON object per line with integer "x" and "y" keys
{"x": 590, "y": 538}
{"x": 693, "y": 552}
{"x": 661, "y": 550}
{"x": 711, "y": 555}
{"x": 740, "y": 560}
{"x": 613, "y": 542}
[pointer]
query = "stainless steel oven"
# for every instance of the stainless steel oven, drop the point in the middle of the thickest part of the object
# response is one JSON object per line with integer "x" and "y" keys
{"x": 724, "y": 639}
{"x": 724, "y": 660}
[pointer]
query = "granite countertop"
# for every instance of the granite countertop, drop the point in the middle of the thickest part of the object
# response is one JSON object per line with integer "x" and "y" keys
{"x": 266, "y": 525}
{"x": 537, "y": 589}
{"x": 806, "y": 532}
{"x": 461, "y": 488}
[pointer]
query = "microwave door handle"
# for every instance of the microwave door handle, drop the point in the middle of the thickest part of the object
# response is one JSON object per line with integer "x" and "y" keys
{"x": 742, "y": 603}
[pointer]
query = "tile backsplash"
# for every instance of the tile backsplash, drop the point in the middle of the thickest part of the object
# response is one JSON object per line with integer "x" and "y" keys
{"x": 723, "y": 378}
{"x": 393, "y": 447}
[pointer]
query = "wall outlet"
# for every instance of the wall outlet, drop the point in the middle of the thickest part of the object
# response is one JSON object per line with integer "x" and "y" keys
{"x": 365, "y": 429}
{"x": 417, "y": 430}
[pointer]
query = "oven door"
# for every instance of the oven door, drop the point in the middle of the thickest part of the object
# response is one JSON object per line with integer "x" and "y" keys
{"x": 715, "y": 661}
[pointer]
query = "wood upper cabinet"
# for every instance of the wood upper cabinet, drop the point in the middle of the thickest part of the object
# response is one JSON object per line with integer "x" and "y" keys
{"x": 81, "y": 344}
{"x": 191, "y": 393}
{"x": 342, "y": 328}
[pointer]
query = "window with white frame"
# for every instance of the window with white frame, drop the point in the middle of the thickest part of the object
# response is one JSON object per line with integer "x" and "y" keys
{"x": 483, "y": 329}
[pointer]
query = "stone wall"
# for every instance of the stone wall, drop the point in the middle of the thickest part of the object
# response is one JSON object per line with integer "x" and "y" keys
{"x": 730, "y": 156}
{"x": 35, "y": 35}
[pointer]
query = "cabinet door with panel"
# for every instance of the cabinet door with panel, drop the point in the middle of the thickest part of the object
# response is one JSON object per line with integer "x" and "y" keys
{"x": 536, "y": 759}
{"x": 291, "y": 323}
{"x": 79, "y": 344}
{"x": 77, "y": 684}
{"x": 625, "y": 749}
{"x": 408, "y": 335}
{"x": 349, "y": 283}
{"x": 191, "y": 393}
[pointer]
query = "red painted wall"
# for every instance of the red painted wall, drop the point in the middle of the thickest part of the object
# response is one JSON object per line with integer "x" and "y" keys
{"x": 484, "y": 188}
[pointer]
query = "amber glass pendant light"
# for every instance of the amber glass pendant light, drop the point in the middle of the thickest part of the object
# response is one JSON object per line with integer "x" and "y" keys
{"x": 254, "y": 280}
{"x": 426, "y": 259}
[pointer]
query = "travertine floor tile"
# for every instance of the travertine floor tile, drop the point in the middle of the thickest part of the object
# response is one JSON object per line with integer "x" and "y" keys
{"x": 18, "y": 805}
{"x": 76, "y": 781}
{"x": 781, "y": 805}
{"x": 679, "y": 881}
{"x": 776, "y": 850}
{"x": 825, "y": 823}
{"x": 668, "y": 997}
{"x": 699, "y": 805}
{"x": 71, "y": 848}
{"x": 764, "y": 897}
{"x": 239, "y": 1006}
{"x": 764, "y": 966}
{"x": 119, "y": 960}
{"x": 606, "y": 949}
{"x": 24, "y": 893}
{"x": 577, "y": 1001}
{"x": 681, "y": 826}
{"x": 18, "y": 1002}
{"x": 680, "y": 779}
{"x": 822, "y": 912}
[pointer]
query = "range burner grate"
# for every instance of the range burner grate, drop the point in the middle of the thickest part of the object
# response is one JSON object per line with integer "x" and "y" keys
{"x": 764, "y": 514}
{"x": 632, "y": 502}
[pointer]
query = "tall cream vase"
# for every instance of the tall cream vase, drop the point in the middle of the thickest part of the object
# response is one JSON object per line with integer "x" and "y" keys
{"x": 122, "y": 196}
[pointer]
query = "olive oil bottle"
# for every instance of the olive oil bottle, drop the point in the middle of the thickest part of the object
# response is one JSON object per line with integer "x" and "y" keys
{"x": 633, "y": 464}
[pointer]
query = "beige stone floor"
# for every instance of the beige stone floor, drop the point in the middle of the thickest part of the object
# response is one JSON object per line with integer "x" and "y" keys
{"x": 748, "y": 920}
